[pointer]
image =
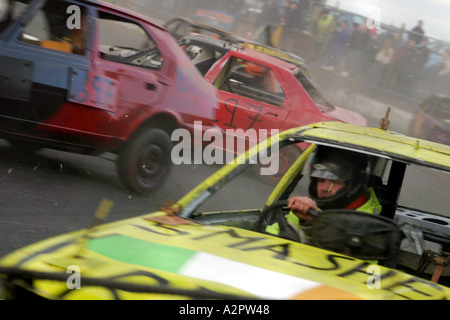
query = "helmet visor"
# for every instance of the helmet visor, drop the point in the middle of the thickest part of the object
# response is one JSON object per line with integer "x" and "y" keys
{"x": 322, "y": 172}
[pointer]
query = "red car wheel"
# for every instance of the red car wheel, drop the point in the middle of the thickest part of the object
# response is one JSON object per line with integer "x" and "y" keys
{"x": 145, "y": 162}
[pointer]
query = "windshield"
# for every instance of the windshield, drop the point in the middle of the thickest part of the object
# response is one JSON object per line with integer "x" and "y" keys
{"x": 313, "y": 92}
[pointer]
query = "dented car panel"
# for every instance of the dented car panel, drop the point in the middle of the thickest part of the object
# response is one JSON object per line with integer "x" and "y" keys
{"x": 73, "y": 94}
{"x": 125, "y": 259}
{"x": 125, "y": 75}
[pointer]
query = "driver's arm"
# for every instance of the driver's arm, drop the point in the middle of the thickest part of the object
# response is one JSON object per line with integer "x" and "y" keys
{"x": 300, "y": 205}
{"x": 298, "y": 217}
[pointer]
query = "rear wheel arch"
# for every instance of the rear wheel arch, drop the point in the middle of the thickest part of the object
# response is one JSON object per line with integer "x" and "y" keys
{"x": 163, "y": 121}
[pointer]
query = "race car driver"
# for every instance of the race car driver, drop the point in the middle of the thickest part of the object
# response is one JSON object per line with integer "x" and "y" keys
{"x": 338, "y": 180}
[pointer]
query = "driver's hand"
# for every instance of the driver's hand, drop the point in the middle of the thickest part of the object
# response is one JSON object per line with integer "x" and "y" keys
{"x": 300, "y": 206}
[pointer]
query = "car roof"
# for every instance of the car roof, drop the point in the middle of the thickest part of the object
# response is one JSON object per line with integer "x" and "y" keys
{"x": 262, "y": 58}
{"x": 283, "y": 55}
{"x": 220, "y": 44}
{"x": 376, "y": 141}
{"x": 204, "y": 26}
{"x": 242, "y": 51}
{"x": 239, "y": 41}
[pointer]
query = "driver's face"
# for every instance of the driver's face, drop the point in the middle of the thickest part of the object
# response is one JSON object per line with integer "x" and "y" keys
{"x": 327, "y": 188}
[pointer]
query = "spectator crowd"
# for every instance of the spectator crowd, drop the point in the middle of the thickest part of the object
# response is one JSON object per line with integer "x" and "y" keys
{"x": 395, "y": 60}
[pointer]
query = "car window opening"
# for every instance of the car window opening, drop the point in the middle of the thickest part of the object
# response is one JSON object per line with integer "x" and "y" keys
{"x": 53, "y": 28}
{"x": 253, "y": 81}
{"x": 128, "y": 44}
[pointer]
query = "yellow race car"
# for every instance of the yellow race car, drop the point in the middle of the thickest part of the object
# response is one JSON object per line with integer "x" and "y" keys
{"x": 192, "y": 250}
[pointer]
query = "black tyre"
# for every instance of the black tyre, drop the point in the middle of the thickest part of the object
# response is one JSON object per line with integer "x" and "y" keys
{"x": 145, "y": 162}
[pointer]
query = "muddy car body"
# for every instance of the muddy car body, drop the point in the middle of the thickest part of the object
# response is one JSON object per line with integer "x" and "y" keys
{"x": 89, "y": 77}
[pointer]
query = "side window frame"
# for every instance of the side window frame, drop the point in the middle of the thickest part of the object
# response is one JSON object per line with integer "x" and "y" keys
{"x": 49, "y": 39}
{"x": 130, "y": 56}
{"x": 259, "y": 90}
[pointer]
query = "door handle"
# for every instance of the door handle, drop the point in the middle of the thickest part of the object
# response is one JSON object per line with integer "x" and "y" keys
{"x": 150, "y": 86}
{"x": 272, "y": 114}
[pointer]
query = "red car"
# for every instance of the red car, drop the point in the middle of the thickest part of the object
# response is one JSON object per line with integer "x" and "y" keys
{"x": 89, "y": 77}
{"x": 431, "y": 121}
{"x": 261, "y": 92}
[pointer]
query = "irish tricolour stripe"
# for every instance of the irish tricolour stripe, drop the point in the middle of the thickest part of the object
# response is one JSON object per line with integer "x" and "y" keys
{"x": 200, "y": 265}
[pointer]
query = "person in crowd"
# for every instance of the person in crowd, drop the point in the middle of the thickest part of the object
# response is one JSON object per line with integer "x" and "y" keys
{"x": 338, "y": 43}
{"x": 323, "y": 30}
{"x": 424, "y": 54}
{"x": 290, "y": 20}
{"x": 359, "y": 51}
{"x": 304, "y": 8}
{"x": 270, "y": 12}
{"x": 397, "y": 42}
{"x": 417, "y": 33}
{"x": 407, "y": 65}
{"x": 378, "y": 68}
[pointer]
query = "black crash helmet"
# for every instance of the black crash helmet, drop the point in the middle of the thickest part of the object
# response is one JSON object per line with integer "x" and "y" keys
{"x": 338, "y": 164}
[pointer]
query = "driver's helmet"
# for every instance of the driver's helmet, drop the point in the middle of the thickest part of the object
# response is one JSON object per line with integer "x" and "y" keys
{"x": 254, "y": 69}
{"x": 336, "y": 164}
